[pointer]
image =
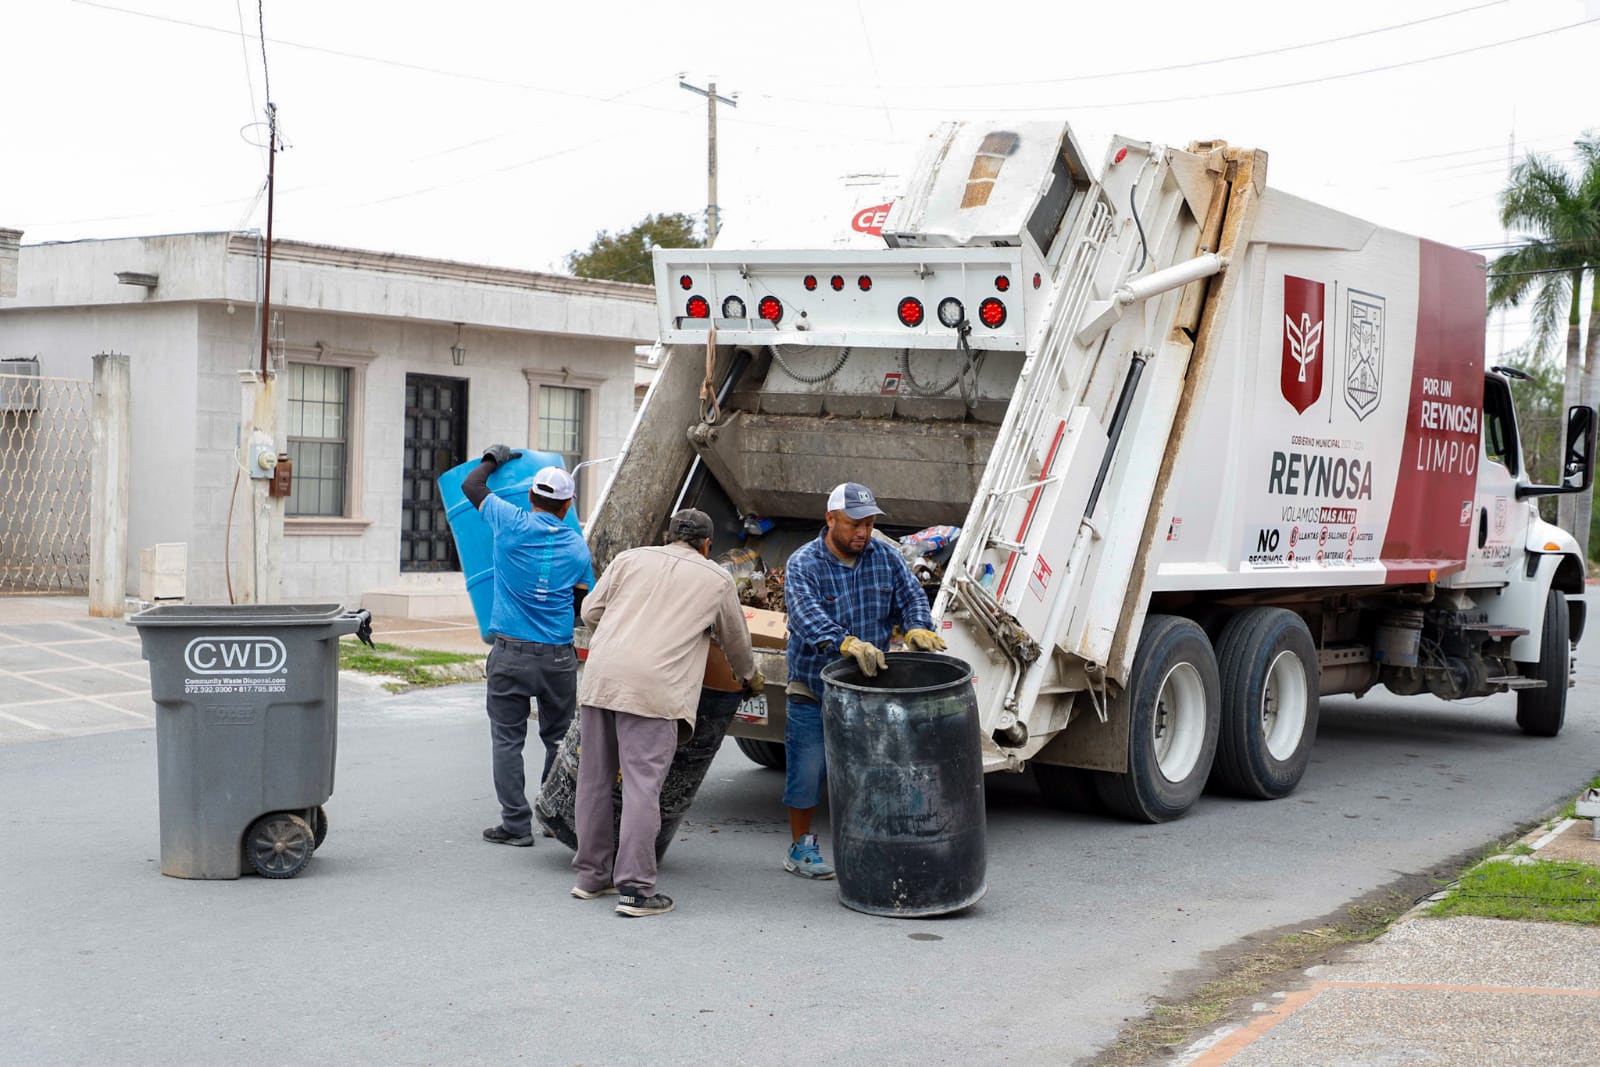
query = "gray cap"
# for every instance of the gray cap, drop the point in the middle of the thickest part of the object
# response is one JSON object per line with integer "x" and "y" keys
{"x": 689, "y": 524}
{"x": 854, "y": 499}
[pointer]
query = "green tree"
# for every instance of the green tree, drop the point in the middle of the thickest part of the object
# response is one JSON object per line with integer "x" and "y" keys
{"x": 625, "y": 257}
{"x": 1557, "y": 210}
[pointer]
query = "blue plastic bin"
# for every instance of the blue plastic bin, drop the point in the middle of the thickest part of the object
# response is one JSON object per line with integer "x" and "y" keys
{"x": 474, "y": 540}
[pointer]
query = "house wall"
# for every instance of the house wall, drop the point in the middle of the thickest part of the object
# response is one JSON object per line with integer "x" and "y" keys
{"x": 319, "y": 566}
{"x": 159, "y": 341}
{"x": 388, "y": 315}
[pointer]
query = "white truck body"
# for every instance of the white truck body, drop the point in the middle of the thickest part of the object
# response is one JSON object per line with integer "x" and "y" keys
{"x": 1189, "y": 425}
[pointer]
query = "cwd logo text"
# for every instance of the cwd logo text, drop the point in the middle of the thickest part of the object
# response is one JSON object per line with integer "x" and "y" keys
{"x": 235, "y": 655}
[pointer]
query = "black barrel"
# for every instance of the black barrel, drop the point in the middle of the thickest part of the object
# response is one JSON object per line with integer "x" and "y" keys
{"x": 558, "y": 795}
{"x": 905, "y": 785}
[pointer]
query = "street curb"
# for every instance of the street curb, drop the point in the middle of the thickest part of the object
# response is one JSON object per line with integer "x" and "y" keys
{"x": 1283, "y": 1003}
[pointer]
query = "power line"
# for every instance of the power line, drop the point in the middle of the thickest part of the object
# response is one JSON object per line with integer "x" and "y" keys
{"x": 244, "y": 40}
{"x": 1203, "y": 62}
{"x": 400, "y": 64}
{"x": 1186, "y": 97}
{"x": 1542, "y": 270}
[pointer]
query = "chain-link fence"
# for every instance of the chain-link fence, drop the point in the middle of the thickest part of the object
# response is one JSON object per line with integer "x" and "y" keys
{"x": 46, "y": 453}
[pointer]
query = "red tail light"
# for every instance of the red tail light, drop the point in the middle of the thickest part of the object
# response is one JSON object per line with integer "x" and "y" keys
{"x": 1002, "y": 283}
{"x": 698, "y": 307}
{"x": 811, "y": 283}
{"x": 992, "y": 313}
{"x": 837, "y": 283}
{"x": 685, "y": 282}
{"x": 770, "y": 309}
{"x": 1036, "y": 279}
{"x": 911, "y": 311}
{"x": 865, "y": 282}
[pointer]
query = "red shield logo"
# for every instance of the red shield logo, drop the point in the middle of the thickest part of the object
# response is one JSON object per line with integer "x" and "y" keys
{"x": 1301, "y": 373}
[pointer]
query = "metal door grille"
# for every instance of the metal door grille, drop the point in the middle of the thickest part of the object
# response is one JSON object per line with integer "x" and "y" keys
{"x": 46, "y": 454}
{"x": 435, "y": 428}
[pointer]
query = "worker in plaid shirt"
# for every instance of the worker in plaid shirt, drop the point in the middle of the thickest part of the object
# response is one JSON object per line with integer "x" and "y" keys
{"x": 845, "y": 593}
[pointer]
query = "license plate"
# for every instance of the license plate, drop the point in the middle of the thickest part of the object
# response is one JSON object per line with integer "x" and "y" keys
{"x": 752, "y": 709}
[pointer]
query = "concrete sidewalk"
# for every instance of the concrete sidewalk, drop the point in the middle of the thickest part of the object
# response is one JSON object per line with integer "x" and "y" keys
{"x": 66, "y": 674}
{"x": 1456, "y": 992}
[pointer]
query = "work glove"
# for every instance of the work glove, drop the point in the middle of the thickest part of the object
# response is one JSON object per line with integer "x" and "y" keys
{"x": 867, "y": 657}
{"x": 756, "y": 684}
{"x": 501, "y": 454}
{"x": 924, "y": 641}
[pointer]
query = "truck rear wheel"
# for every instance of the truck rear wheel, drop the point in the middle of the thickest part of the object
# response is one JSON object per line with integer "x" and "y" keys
{"x": 1541, "y": 712}
{"x": 1172, "y": 703}
{"x": 1269, "y": 668}
{"x": 766, "y": 753}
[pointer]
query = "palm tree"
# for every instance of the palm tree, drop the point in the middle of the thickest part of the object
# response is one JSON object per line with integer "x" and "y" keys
{"x": 1559, "y": 211}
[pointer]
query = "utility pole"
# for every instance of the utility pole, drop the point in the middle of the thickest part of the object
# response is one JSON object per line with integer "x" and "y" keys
{"x": 713, "y": 221}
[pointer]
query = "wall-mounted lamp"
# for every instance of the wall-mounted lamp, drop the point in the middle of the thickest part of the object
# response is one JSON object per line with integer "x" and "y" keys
{"x": 458, "y": 351}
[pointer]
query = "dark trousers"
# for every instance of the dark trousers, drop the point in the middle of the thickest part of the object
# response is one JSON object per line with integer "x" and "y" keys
{"x": 641, "y": 748}
{"x": 520, "y": 672}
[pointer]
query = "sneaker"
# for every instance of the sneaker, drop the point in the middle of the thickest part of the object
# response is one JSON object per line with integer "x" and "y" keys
{"x": 638, "y": 905}
{"x": 499, "y": 835}
{"x": 586, "y": 894}
{"x": 805, "y": 859}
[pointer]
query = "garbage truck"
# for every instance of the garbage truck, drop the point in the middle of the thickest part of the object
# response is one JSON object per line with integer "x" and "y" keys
{"x": 1214, "y": 451}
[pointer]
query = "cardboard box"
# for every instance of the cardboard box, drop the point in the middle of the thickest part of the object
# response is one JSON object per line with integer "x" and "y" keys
{"x": 719, "y": 674}
{"x": 768, "y": 629}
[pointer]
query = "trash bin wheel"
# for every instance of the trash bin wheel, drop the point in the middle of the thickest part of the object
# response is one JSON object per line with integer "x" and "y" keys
{"x": 319, "y": 827}
{"x": 279, "y": 845}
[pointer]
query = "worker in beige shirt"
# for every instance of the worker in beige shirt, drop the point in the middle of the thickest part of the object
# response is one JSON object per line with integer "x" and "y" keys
{"x": 653, "y": 613}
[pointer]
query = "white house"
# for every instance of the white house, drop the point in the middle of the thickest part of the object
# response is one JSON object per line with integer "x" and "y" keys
{"x": 392, "y": 368}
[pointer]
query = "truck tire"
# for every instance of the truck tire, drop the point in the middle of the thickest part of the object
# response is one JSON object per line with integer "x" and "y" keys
{"x": 1067, "y": 788}
{"x": 1269, "y": 668}
{"x": 766, "y": 753}
{"x": 1541, "y": 712}
{"x": 1172, "y": 703}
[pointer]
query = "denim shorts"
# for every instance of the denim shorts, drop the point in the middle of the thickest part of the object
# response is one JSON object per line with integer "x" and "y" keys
{"x": 806, "y": 762}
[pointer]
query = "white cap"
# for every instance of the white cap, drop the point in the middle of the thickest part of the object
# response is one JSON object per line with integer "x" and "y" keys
{"x": 554, "y": 483}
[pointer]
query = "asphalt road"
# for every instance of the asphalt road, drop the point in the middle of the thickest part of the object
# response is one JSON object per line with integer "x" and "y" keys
{"x": 410, "y": 941}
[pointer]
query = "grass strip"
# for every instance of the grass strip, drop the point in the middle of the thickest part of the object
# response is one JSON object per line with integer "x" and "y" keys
{"x": 412, "y": 667}
{"x": 1556, "y": 891}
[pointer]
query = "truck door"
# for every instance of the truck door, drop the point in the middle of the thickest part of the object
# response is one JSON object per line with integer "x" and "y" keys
{"x": 1499, "y": 520}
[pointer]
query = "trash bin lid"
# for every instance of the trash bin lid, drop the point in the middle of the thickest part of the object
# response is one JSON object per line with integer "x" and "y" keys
{"x": 253, "y": 615}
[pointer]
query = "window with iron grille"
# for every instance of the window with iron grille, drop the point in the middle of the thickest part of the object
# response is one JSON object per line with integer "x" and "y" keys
{"x": 319, "y": 400}
{"x": 561, "y": 415}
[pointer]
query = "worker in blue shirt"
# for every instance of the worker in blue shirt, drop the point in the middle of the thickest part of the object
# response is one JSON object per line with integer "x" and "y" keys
{"x": 541, "y": 570}
{"x": 845, "y": 593}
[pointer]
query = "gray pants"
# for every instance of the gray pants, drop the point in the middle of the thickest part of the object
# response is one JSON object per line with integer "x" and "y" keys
{"x": 519, "y": 672}
{"x": 641, "y": 748}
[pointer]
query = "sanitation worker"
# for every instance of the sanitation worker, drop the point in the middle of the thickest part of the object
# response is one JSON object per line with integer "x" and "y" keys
{"x": 654, "y": 612}
{"x": 845, "y": 592}
{"x": 541, "y": 568}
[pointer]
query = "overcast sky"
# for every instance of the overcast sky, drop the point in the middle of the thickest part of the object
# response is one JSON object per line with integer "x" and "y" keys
{"x": 510, "y": 132}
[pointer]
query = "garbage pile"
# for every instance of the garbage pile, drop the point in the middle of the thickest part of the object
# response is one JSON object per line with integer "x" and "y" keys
{"x": 761, "y": 586}
{"x": 928, "y": 551}
{"x": 758, "y": 585}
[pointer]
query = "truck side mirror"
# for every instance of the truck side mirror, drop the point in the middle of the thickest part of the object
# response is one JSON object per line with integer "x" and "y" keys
{"x": 1577, "y": 468}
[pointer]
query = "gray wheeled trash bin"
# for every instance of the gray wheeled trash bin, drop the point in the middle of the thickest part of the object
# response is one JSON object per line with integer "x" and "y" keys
{"x": 246, "y": 720}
